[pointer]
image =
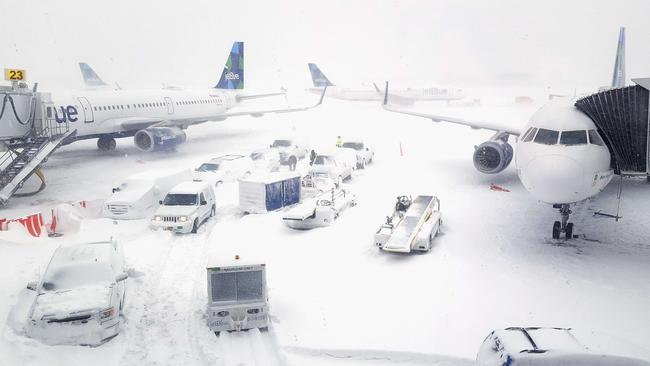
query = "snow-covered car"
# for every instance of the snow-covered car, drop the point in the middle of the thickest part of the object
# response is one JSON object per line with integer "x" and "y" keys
{"x": 137, "y": 196}
{"x": 80, "y": 297}
{"x": 556, "y": 346}
{"x": 363, "y": 152}
{"x": 237, "y": 295}
{"x": 266, "y": 159}
{"x": 224, "y": 169}
{"x": 291, "y": 150}
{"x": 336, "y": 165}
{"x": 185, "y": 208}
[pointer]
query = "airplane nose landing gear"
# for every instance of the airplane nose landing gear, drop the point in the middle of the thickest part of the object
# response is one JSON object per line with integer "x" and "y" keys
{"x": 564, "y": 226}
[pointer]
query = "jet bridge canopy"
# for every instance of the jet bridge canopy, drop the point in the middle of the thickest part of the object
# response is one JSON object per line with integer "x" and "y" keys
{"x": 621, "y": 115}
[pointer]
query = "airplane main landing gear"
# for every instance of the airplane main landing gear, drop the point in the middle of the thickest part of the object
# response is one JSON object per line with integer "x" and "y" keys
{"x": 106, "y": 143}
{"x": 563, "y": 226}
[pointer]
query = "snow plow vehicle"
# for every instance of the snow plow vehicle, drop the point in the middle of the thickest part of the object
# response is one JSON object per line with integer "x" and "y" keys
{"x": 412, "y": 226}
{"x": 319, "y": 211}
{"x": 237, "y": 295}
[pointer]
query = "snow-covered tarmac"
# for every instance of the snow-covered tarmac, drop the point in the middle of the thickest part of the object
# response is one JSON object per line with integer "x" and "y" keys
{"x": 335, "y": 299}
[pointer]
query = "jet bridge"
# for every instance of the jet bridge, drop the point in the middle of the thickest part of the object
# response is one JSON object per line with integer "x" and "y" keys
{"x": 29, "y": 134}
{"x": 621, "y": 115}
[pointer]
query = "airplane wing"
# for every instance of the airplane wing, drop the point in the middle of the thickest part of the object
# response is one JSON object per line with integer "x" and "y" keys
{"x": 136, "y": 123}
{"x": 260, "y": 113}
{"x": 395, "y": 98}
{"x": 477, "y": 125}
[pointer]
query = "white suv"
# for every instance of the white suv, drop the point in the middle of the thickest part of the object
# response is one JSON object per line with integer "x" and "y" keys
{"x": 224, "y": 168}
{"x": 185, "y": 208}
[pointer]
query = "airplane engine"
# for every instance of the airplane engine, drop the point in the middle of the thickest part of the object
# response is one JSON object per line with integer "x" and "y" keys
{"x": 493, "y": 156}
{"x": 159, "y": 138}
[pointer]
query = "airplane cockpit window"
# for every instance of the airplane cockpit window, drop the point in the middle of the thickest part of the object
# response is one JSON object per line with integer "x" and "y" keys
{"x": 576, "y": 137}
{"x": 546, "y": 137}
{"x": 531, "y": 133}
{"x": 595, "y": 139}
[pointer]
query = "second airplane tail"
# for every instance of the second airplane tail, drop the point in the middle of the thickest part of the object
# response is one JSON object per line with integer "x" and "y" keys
{"x": 317, "y": 77}
{"x": 618, "y": 79}
{"x": 232, "y": 77}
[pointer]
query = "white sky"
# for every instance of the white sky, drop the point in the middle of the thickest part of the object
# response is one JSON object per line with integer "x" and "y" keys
{"x": 449, "y": 42}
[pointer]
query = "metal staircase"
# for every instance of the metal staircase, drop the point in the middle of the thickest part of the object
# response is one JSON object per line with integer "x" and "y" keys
{"x": 40, "y": 135}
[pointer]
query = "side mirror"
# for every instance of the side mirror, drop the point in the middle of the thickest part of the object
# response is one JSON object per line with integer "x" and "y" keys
{"x": 113, "y": 190}
{"x": 121, "y": 277}
{"x": 160, "y": 202}
{"x": 32, "y": 285}
{"x": 367, "y": 149}
{"x": 203, "y": 203}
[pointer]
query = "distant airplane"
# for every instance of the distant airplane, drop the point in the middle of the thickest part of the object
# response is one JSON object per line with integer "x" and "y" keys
{"x": 373, "y": 93}
{"x": 561, "y": 158}
{"x": 155, "y": 118}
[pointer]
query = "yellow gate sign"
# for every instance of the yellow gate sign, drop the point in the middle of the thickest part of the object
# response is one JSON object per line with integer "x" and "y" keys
{"x": 14, "y": 75}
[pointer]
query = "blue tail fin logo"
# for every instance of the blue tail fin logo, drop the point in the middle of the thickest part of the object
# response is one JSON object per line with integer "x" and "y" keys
{"x": 232, "y": 76}
{"x": 318, "y": 77}
{"x": 90, "y": 76}
{"x": 618, "y": 79}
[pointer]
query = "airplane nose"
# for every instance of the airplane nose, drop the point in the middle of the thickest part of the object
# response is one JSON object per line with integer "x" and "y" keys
{"x": 556, "y": 179}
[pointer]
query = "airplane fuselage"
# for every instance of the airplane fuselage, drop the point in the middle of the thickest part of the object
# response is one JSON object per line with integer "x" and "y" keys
{"x": 106, "y": 112}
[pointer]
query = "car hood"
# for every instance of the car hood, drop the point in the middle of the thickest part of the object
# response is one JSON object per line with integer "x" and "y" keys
{"x": 207, "y": 175}
{"x": 176, "y": 210}
{"x": 62, "y": 303}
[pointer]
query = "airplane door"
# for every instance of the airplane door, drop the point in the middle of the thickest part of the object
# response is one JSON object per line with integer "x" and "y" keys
{"x": 170, "y": 105}
{"x": 89, "y": 116}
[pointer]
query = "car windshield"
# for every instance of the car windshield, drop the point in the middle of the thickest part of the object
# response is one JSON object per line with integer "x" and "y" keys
{"x": 208, "y": 167}
{"x": 257, "y": 156}
{"x": 74, "y": 275}
{"x": 281, "y": 143}
{"x": 177, "y": 199}
{"x": 354, "y": 145}
{"x": 323, "y": 160}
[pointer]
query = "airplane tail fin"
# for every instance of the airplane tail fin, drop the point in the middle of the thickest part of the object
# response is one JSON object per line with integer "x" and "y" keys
{"x": 618, "y": 79}
{"x": 89, "y": 75}
{"x": 318, "y": 78}
{"x": 232, "y": 77}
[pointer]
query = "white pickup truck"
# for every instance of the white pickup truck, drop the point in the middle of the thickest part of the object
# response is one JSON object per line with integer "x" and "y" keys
{"x": 364, "y": 153}
{"x": 185, "y": 208}
{"x": 336, "y": 165}
{"x": 291, "y": 150}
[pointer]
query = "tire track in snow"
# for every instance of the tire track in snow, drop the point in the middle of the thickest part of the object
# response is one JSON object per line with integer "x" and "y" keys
{"x": 249, "y": 348}
{"x": 164, "y": 333}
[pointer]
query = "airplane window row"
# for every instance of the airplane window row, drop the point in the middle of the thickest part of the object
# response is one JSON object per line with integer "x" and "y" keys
{"x": 152, "y": 105}
{"x": 566, "y": 138}
{"x": 199, "y": 101}
{"x": 128, "y": 106}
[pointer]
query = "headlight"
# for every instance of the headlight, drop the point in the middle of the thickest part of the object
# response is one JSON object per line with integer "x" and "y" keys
{"x": 157, "y": 218}
{"x": 108, "y": 313}
{"x": 182, "y": 218}
{"x": 223, "y": 313}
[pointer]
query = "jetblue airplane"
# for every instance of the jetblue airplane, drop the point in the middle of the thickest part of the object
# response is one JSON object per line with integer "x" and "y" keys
{"x": 157, "y": 119}
{"x": 373, "y": 93}
{"x": 561, "y": 158}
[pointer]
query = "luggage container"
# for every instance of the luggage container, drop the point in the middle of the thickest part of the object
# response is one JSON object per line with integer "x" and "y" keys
{"x": 237, "y": 295}
{"x": 269, "y": 192}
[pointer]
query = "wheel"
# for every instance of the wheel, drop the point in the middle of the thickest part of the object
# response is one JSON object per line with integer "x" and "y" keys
{"x": 217, "y": 333}
{"x": 556, "y": 229}
{"x": 264, "y": 329}
{"x": 195, "y": 226}
{"x": 213, "y": 211}
{"x": 106, "y": 143}
{"x": 569, "y": 230}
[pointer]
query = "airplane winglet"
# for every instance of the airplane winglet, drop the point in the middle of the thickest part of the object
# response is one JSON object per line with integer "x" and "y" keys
{"x": 386, "y": 94}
